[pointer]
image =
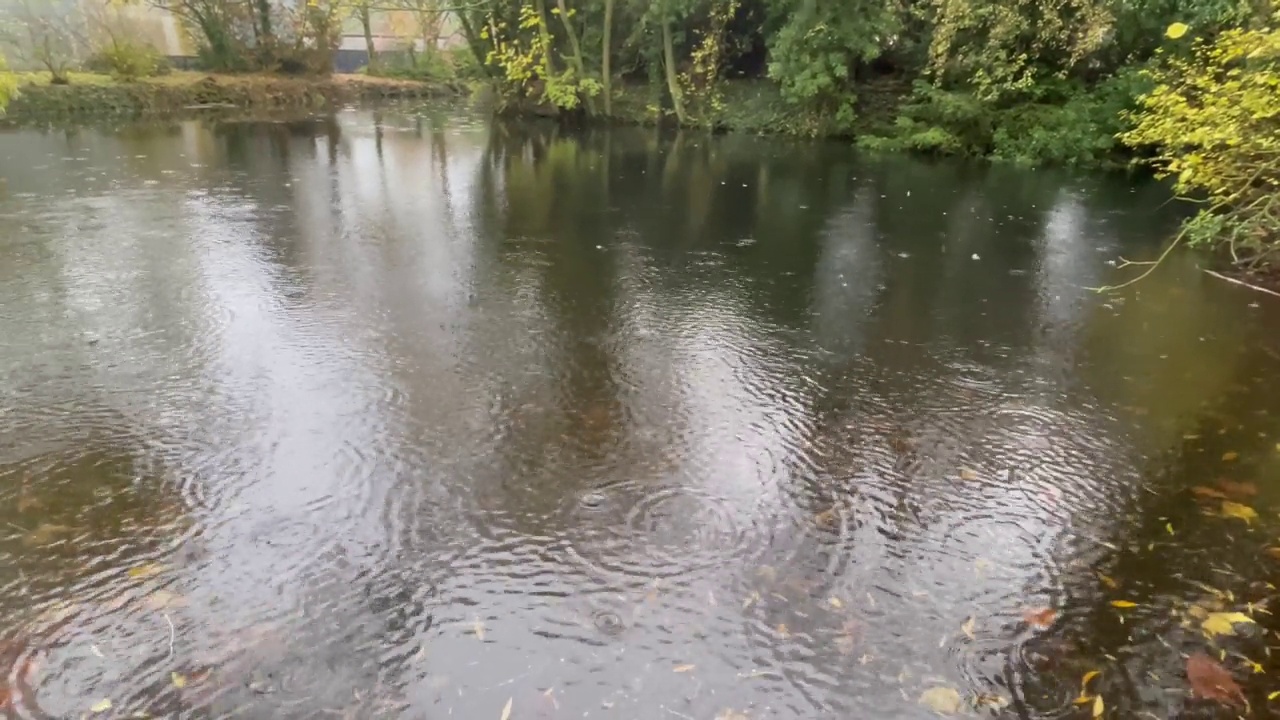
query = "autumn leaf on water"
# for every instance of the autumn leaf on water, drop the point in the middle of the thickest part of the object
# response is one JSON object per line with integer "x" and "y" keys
{"x": 683, "y": 668}
{"x": 1098, "y": 707}
{"x": 1211, "y": 681}
{"x": 967, "y": 628}
{"x": 145, "y": 570}
{"x": 1223, "y": 623}
{"x": 1123, "y": 604}
{"x": 1238, "y": 511}
{"x": 1208, "y": 493}
{"x": 477, "y": 628}
{"x": 1108, "y": 581}
{"x": 506, "y": 709}
{"x": 835, "y": 602}
{"x": 1084, "y": 681}
{"x": 1230, "y": 456}
{"x": 101, "y": 706}
{"x": 1273, "y": 552}
{"x": 968, "y": 475}
{"x": 178, "y": 680}
{"x": 1176, "y": 30}
{"x": 942, "y": 700}
{"x": 1237, "y": 489}
{"x": 1041, "y": 618}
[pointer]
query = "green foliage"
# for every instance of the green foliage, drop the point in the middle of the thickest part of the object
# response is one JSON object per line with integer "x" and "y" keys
{"x": 523, "y": 59}
{"x": 8, "y": 85}
{"x": 1212, "y": 122}
{"x": 127, "y": 60}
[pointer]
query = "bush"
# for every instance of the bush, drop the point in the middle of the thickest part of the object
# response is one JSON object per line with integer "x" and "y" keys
{"x": 8, "y": 85}
{"x": 129, "y": 61}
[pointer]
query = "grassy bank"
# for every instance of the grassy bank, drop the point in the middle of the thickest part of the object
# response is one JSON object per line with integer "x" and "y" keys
{"x": 91, "y": 96}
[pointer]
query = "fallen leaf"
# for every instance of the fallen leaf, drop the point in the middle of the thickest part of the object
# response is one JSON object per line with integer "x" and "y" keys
{"x": 1241, "y": 512}
{"x": 783, "y": 631}
{"x": 1123, "y": 604}
{"x": 145, "y": 570}
{"x": 1108, "y": 581}
{"x": 1273, "y": 552}
{"x": 477, "y": 628}
{"x": 1230, "y": 456}
{"x": 178, "y": 680}
{"x": 1273, "y": 695}
{"x": 942, "y": 700}
{"x": 101, "y": 706}
{"x": 1041, "y": 618}
{"x": 968, "y": 475}
{"x": 729, "y": 714}
{"x": 506, "y": 709}
{"x": 1084, "y": 681}
{"x": 1176, "y": 30}
{"x": 683, "y": 668}
{"x": 1237, "y": 489}
{"x": 752, "y": 599}
{"x": 1208, "y": 493}
{"x": 1211, "y": 681}
{"x": 835, "y": 602}
{"x": 967, "y": 628}
{"x": 162, "y": 599}
{"x": 1169, "y": 527}
{"x": 1223, "y": 623}
{"x": 1098, "y": 707}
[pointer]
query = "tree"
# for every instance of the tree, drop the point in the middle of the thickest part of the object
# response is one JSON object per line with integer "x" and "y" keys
{"x": 8, "y": 85}
{"x": 45, "y": 33}
{"x": 1213, "y": 121}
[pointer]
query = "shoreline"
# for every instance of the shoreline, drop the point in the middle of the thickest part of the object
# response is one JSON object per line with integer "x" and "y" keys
{"x": 92, "y": 98}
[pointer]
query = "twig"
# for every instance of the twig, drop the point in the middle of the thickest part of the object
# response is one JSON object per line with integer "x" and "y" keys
{"x": 1220, "y": 276}
{"x": 171, "y": 633}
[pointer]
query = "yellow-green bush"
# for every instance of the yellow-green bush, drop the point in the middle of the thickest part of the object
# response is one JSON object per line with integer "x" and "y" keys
{"x": 8, "y": 85}
{"x": 1213, "y": 124}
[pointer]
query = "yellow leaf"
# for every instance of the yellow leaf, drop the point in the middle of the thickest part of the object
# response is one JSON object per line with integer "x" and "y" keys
{"x": 967, "y": 628}
{"x": 968, "y": 475}
{"x": 1223, "y": 623}
{"x": 683, "y": 668}
{"x": 835, "y": 602}
{"x": 1084, "y": 681}
{"x": 506, "y": 709}
{"x": 477, "y": 627}
{"x": 942, "y": 700}
{"x": 101, "y": 706}
{"x": 145, "y": 570}
{"x": 1238, "y": 511}
{"x": 1123, "y": 604}
{"x": 1098, "y": 707}
{"x": 1106, "y": 580}
{"x": 1230, "y": 456}
{"x": 1176, "y": 30}
{"x": 178, "y": 680}
{"x": 1169, "y": 527}
{"x": 1273, "y": 695}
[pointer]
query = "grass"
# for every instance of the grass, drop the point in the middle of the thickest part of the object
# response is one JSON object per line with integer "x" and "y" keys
{"x": 180, "y": 78}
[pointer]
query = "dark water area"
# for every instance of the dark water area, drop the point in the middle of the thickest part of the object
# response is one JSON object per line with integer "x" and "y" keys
{"x": 418, "y": 416}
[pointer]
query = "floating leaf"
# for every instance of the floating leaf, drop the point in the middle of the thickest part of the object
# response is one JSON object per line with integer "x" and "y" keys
{"x": 1273, "y": 695}
{"x": 1273, "y": 552}
{"x": 1230, "y": 456}
{"x": 730, "y": 714}
{"x": 145, "y": 570}
{"x": 1098, "y": 707}
{"x": 835, "y": 602}
{"x": 942, "y": 700}
{"x": 1208, "y": 493}
{"x": 178, "y": 680}
{"x": 968, "y": 475}
{"x": 1123, "y": 604}
{"x": 101, "y": 706}
{"x": 1084, "y": 681}
{"x": 1040, "y": 617}
{"x": 1223, "y": 623}
{"x": 1108, "y": 581}
{"x": 477, "y": 628}
{"x": 1211, "y": 681}
{"x": 1236, "y": 510}
{"x": 1169, "y": 527}
{"x": 683, "y": 668}
{"x": 967, "y": 628}
{"x": 1237, "y": 489}
{"x": 506, "y": 709}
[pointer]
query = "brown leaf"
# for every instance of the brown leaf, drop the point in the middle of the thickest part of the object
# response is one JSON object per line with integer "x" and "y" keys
{"x": 1208, "y": 493}
{"x": 1230, "y": 456}
{"x": 1237, "y": 489}
{"x": 1039, "y": 617}
{"x": 682, "y": 668}
{"x": 1211, "y": 681}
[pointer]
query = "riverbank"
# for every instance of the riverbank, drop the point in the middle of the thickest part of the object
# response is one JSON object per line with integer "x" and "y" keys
{"x": 95, "y": 97}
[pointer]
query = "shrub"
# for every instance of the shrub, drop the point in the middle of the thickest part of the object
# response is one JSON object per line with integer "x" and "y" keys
{"x": 129, "y": 61}
{"x": 8, "y": 85}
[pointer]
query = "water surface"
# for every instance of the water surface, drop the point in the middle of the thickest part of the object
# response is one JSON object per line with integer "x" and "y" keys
{"x": 397, "y": 415}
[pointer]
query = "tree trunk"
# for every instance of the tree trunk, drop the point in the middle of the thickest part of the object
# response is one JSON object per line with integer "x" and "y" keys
{"x": 473, "y": 42}
{"x": 576, "y": 48}
{"x": 544, "y": 32}
{"x": 606, "y": 71}
{"x": 366, "y": 23}
{"x": 669, "y": 60}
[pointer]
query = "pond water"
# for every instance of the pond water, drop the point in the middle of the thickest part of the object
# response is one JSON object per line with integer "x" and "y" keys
{"x": 414, "y": 415}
